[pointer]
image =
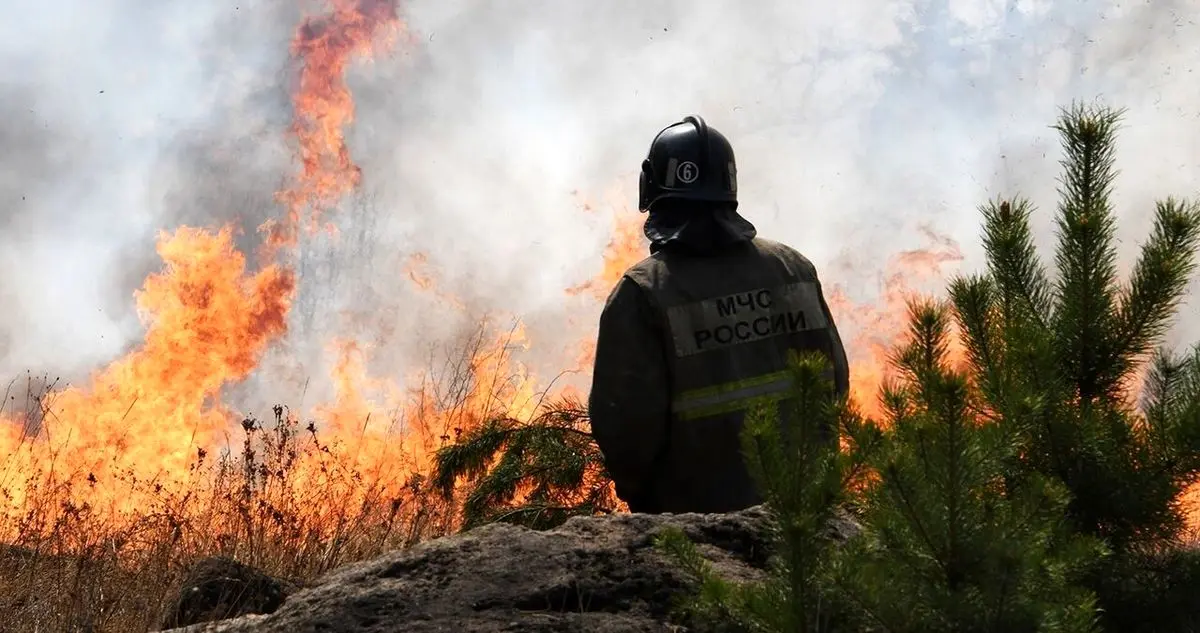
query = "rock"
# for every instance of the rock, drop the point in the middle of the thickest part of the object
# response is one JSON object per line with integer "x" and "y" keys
{"x": 219, "y": 588}
{"x": 595, "y": 574}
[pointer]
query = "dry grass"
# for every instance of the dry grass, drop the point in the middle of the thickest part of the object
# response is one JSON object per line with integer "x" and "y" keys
{"x": 73, "y": 568}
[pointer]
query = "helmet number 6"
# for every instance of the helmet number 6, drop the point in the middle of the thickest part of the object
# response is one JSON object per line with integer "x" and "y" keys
{"x": 687, "y": 172}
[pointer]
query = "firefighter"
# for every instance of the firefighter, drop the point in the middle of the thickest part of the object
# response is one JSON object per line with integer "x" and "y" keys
{"x": 694, "y": 332}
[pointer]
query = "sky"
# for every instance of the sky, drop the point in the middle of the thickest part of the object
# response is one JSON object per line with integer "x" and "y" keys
{"x": 859, "y": 126}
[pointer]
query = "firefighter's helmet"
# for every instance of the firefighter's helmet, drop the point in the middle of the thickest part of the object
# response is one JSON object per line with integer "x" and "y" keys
{"x": 688, "y": 160}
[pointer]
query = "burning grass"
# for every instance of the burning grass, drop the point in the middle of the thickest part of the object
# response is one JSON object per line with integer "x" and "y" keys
{"x": 287, "y": 496}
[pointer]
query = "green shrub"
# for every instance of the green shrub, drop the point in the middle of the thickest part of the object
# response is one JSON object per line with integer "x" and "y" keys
{"x": 536, "y": 473}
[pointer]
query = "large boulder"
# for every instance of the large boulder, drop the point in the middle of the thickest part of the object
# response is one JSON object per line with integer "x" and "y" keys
{"x": 594, "y": 574}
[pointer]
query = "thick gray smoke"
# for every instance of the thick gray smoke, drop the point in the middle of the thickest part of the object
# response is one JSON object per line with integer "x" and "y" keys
{"x": 858, "y": 125}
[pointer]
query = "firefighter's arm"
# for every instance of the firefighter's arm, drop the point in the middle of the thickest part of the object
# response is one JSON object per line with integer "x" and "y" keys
{"x": 629, "y": 402}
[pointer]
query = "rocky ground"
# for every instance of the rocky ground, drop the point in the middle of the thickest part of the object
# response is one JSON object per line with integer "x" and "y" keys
{"x": 594, "y": 574}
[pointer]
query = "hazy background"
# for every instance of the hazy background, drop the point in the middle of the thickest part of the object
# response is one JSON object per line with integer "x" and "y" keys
{"x": 856, "y": 124}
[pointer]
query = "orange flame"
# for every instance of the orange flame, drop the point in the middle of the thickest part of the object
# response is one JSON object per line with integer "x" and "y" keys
{"x": 143, "y": 416}
{"x": 627, "y": 247}
{"x": 324, "y": 107}
{"x": 871, "y": 330}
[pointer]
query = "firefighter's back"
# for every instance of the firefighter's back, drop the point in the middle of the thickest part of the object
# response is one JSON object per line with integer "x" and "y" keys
{"x": 729, "y": 320}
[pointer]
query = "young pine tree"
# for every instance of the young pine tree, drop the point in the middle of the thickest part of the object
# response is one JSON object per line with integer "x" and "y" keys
{"x": 537, "y": 473}
{"x": 1057, "y": 361}
{"x": 947, "y": 545}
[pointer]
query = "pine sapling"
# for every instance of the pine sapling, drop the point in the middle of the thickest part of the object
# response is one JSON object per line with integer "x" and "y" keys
{"x": 948, "y": 544}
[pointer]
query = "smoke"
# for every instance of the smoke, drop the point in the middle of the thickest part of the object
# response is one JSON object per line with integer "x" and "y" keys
{"x": 42, "y": 239}
{"x": 858, "y": 126}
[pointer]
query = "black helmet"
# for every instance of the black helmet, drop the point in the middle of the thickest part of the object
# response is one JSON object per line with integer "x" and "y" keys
{"x": 690, "y": 161}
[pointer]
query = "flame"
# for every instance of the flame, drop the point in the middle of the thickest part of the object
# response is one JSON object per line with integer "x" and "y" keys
{"x": 358, "y": 414}
{"x": 324, "y": 107}
{"x": 385, "y": 435}
{"x": 870, "y": 331}
{"x": 209, "y": 322}
{"x": 627, "y": 247}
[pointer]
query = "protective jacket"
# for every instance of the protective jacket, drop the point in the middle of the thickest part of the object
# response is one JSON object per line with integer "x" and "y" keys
{"x": 686, "y": 341}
